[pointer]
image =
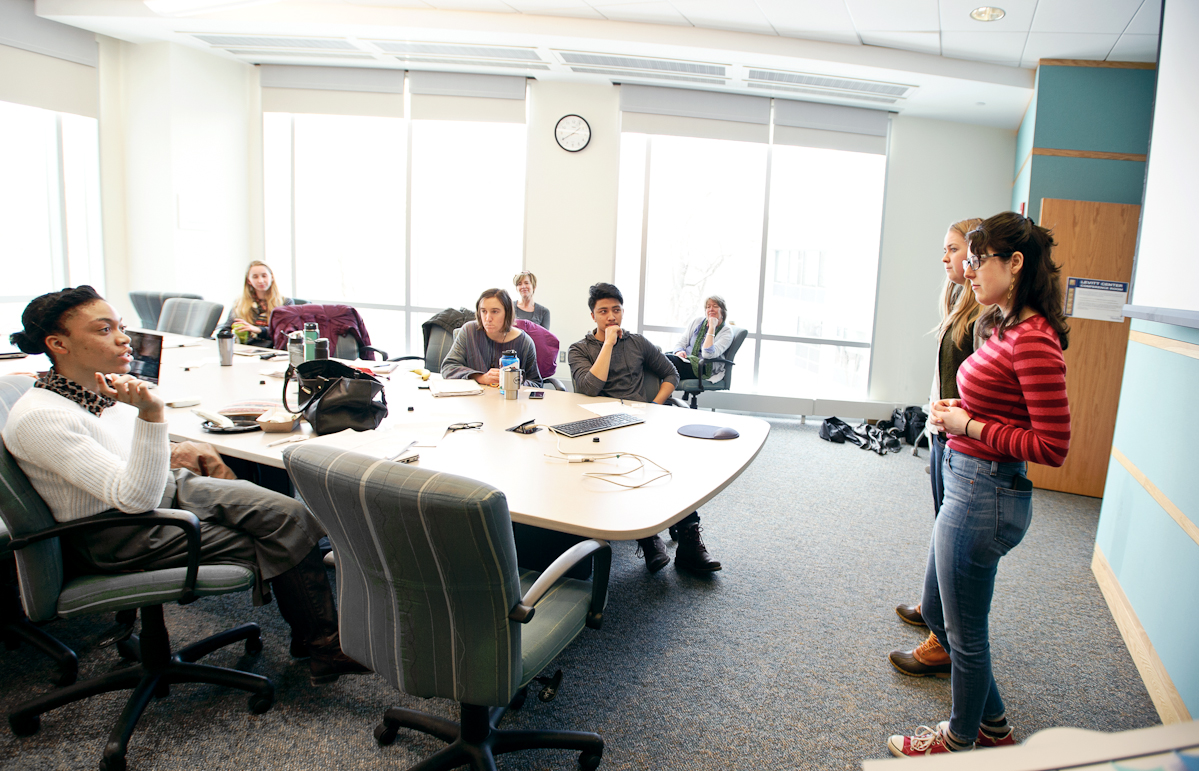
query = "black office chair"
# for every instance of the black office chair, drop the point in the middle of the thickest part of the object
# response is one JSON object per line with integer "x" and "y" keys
{"x": 185, "y": 316}
{"x": 149, "y": 305}
{"x": 438, "y": 339}
{"x": 693, "y": 387}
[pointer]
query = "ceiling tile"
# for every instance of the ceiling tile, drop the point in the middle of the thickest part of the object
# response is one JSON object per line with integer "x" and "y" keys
{"x": 923, "y": 42}
{"x": 733, "y": 15}
{"x": 829, "y": 36}
{"x": 815, "y": 15}
{"x": 1060, "y": 45}
{"x": 572, "y": 8}
{"x": 955, "y": 16}
{"x": 649, "y": 13}
{"x": 1084, "y": 16}
{"x": 486, "y": 6}
{"x": 984, "y": 46}
{"x": 890, "y": 16}
{"x": 1134, "y": 48}
{"x": 1148, "y": 20}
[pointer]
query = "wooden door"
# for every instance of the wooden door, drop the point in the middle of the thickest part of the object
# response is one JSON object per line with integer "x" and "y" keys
{"x": 1095, "y": 240}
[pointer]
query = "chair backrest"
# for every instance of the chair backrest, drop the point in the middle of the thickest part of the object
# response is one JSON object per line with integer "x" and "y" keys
{"x": 341, "y": 324}
{"x": 739, "y": 335}
{"x": 546, "y": 343}
{"x": 185, "y": 316}
{"x": 149, "y": 305}
{"x": 24, "y": 511}
{"x": 426, "y": 572}
{"x": 440, "y": 343}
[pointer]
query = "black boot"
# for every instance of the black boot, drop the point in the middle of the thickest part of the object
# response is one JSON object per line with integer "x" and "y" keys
{"x": 306, "y": 604}
{"x": 655, "y": 553}
{"x": 692, "y": 554}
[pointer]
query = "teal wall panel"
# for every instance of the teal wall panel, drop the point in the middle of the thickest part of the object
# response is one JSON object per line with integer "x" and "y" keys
{"x": 1157, "y": 566}
{"x": 1102, "y": 109}
{"x": 1185, "y": 334}
{"x": 1084, "y": 179}
{"x": 1159, "y": 389}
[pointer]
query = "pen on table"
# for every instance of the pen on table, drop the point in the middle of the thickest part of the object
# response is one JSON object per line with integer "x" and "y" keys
{"x": 289, "y": 440}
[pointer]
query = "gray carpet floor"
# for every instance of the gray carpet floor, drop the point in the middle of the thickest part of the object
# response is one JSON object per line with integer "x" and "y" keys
{"x": 778, "y": 661}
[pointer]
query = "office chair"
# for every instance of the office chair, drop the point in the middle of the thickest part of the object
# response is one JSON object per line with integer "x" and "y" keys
{"x": 438, "y": 338}
{"x": 149, "y": 305}
{"x": 355, "y": 343}
{"x": 650, "y": 385}
{"x": 46, "y": 595}
{"x": 694, "y": 387}
{"x": 547, "y": 346}
{"x": 432, "y": 599}
{"x": 15, "y": 626}
{"x": 194, "y": 318}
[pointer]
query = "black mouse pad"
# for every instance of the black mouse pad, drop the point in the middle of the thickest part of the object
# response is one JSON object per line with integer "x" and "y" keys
{"x": 700, "y": 431}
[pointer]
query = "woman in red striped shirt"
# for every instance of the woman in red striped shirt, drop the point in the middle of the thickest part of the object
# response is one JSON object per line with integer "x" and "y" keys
{"x": 1013, "y": 409}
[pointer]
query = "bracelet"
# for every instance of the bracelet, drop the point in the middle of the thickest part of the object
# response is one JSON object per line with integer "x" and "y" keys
{"x": 968, "y": 422}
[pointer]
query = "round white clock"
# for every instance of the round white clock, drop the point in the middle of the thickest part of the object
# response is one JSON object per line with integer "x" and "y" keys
{"x": 573, "y": 133}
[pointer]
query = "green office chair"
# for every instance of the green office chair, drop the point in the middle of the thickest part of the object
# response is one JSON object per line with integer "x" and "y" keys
{"x": 693, "y": 387}
{"x": 432, "y": 600}
{"x": 46, "y": 595}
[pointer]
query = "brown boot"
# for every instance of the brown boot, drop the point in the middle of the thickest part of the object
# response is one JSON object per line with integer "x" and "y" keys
{"x": 306, "y": 604}
{"x": 692, "y": 554}
{"x": 655, "y": 553}
{"x": 928, "y": 659}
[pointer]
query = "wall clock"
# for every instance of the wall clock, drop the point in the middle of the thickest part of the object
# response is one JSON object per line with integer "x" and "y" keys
{"x": 573, "y": 133}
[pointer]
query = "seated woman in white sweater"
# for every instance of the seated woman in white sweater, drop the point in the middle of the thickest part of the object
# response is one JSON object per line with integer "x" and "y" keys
{"x": 91, "y": 438}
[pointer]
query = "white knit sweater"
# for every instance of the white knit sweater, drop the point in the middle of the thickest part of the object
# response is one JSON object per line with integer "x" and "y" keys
{"x": 82, "y": 464}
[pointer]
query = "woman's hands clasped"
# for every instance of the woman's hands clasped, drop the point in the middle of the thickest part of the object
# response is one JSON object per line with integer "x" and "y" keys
{"x": 949, "y": 417}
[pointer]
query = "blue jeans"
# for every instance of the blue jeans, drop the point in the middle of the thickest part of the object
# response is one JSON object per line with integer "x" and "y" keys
{"x": 981, "y": 519}
{"x": 936, "y": 448}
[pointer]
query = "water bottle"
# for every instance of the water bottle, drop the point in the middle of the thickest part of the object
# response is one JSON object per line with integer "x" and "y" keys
{"x": 508, "y": 359}
{"x": 224, "y": 346}
{"x": 311, "y": 333}
{"x": 295, "y": 348}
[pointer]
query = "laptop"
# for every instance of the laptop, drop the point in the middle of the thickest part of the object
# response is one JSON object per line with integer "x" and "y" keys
{"x": 147, "y": 355}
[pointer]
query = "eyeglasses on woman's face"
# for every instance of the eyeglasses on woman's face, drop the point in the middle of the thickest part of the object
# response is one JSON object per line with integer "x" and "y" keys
{"x": 975, "y": 261}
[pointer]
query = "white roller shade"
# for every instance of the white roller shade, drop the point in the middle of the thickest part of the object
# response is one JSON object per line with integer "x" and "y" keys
{"x": 21, "y": 28}
{"x": 831, "y": 126}
{"x": 48, "y": 82}
{"x": 332, "y": 90}
{"x": 465, "y": 84}
{"x": 463, "y": 96}
{"x": 686, "y": 112}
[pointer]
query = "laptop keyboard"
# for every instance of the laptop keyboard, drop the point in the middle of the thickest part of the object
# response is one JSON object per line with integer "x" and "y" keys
{"x": 594, "y": 425}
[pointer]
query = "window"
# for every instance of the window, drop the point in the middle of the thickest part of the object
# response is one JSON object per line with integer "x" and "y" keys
{"x": 49, "y": 205}
{"x": 692, "y": 218}
{"x": 337, "y": 212}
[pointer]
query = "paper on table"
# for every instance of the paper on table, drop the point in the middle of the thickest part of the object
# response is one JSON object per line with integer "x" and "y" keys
{"x": 274, "y": 370}
{"x": 454, "y": 388}
{"x": 613, "y": 408}
{"x": 384, "y": 443}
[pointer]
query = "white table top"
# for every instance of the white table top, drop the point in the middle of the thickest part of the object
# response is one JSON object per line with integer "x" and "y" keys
{"x": 541, "y": 491}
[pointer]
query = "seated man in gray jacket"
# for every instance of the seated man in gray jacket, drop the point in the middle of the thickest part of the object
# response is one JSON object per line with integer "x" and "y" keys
{"x": 612, "y": 362}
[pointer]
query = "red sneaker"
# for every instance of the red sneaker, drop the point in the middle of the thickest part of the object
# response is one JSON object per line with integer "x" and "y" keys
{"x": 926, "y": 741}
{"x": 986, "y": 740}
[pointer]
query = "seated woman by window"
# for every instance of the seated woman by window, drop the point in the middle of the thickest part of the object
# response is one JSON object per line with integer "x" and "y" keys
{"x": 706, "y": 337}
{"x": 479, "y": 344}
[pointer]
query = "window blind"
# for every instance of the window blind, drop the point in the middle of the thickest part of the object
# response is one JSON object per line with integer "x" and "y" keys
{"x": 332, "y": 90}
{"x": 830, "y": 126}
{"x": 687, "y": 112}
{"x": 467, "y": 97}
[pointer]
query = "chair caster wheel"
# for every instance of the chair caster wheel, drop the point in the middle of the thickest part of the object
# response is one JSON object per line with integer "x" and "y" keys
{"x": 112, "y": 764}
{"x": 67, "y": 674}
{"x": 518, "y": 700}
{"x": 253, "y": 646}
{"x": 25, "y": 726}
{"x": 261, "y": 702}
{"x": 588, "y": 761}
{"x": 129, "y": 650}
{"x": 385, "y": 735}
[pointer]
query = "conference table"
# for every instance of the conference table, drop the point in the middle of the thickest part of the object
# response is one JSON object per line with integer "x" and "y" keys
{"x": 542, "y": 489}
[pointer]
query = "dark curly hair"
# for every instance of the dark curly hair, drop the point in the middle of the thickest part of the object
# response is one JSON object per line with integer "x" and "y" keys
{"x": 602, "y": 291}
{"x": 44, "y": 316}
{"x": 1038, "y": 285}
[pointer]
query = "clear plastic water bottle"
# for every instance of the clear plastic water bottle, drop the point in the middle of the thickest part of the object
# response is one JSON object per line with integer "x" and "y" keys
{"x": 508, "y": 358}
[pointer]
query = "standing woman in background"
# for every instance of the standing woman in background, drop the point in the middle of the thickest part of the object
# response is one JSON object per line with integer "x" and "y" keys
{"x": 251, "y": 312}
{"x": 526, "y": 284}
{"x": 1013, "y": 408}
{"x": 955, "y": 342}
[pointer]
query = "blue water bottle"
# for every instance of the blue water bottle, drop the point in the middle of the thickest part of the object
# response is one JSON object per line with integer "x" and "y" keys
{"x": 507, "y": 358}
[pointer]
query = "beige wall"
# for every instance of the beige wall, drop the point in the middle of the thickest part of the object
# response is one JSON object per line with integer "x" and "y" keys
{"x": 937, "y": 173}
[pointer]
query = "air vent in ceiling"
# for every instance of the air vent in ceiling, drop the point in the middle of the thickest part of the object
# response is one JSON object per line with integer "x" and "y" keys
{"x": 827, "y": 94}
{"x": 826, "y": 82}
{"x": 626, "y": 74}
{"x": 262, "y": 41}
{"x": 640, "y": 63}
{"x": 460, "y": 51}
{"x": 300, "y": 54}
{"x": 471, "y": 63}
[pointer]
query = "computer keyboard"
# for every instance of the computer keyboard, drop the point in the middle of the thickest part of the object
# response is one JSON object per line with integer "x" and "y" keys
{"x": 594, "y": 425}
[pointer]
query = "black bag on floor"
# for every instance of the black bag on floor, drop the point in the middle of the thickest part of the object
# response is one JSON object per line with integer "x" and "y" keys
{"x": 914, "y": 422}
{"x": 838, "y": 431}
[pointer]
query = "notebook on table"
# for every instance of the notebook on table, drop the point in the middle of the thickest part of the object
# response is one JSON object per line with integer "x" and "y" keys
{"x": 454, "y": 388}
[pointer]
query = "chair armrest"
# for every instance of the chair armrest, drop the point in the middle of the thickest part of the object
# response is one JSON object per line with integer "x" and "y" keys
{"x": 382, "y": 353}
{"x": 184, "y": 520}
{"x": 524, "y": 610}
{"x": 407, "y": 358}
{"x": 555, "y": 383}
{"x": 726, "y": 362}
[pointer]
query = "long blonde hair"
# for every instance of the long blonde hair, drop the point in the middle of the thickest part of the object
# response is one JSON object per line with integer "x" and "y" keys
{"x": 959, "y": 307}
{"x": 244, "y": 307}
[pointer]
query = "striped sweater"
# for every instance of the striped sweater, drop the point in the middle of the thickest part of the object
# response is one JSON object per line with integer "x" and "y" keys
{"x": 1017, "y": 387}
{"x": 82, "y": 464}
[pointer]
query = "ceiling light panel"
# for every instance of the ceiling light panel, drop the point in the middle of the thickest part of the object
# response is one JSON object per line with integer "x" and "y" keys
{"x": 640, "y": 63}
{"x": 987, "y": 13}
{"x": 1018, "y": 14}
{"x": 453, "y": 49}
{"x": 262, "y": 41}
{"x": 811, "y": 80}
